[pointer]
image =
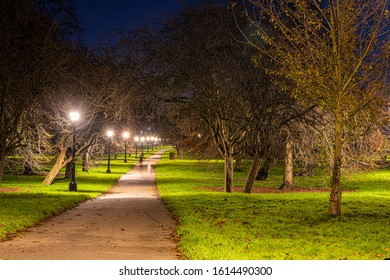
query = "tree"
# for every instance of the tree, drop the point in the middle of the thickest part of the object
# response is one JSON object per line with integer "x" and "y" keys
{"x": 336, "y": 53}
{"x": 31, "y": 54}
{"x": 99, "y": 91}
{"x": 204, "y": 70}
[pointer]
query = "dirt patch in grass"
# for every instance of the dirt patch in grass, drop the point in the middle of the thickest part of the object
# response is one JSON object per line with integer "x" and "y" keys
{"x": 2, "y": 189}
{"x": 274, "y": 190}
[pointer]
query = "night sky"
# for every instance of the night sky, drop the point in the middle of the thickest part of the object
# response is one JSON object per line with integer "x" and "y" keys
{"x": 100, "y": 17}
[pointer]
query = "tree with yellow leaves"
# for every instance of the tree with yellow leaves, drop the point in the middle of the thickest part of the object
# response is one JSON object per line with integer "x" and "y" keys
{"x": 336, "y": 53}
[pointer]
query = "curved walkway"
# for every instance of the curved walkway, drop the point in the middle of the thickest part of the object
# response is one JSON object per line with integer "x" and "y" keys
{"x": 129, "y": 222}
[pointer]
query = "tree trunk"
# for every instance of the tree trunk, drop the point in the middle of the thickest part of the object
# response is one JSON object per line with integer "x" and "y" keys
{"x": 85, "y": 159}
{"x": 336, "y": 190}
{"x": 181, "y": 154}
{"x": 265, "y": 169}
{"x": 28, "y": 170}
{"x": 238, "y": 166}
{"x": 56, "y": 167}
{"x": 68, "y": 169}
{"x": 2, "y": 164}
{"x": 68, "y": 165}
{"x": 253, "y": 172}
{"x": 288, "y": 166}
{"x": 229, "y": 171}
{"x": 27, "y": 166}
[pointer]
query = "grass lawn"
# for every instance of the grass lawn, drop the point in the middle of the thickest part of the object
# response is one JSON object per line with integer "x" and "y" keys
{"x": 276, "y": 226}
{"x": 24, "y": 201}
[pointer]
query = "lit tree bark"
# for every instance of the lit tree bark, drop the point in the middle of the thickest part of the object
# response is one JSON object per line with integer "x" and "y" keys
{"x": 86, "y": 159}
{"x": 229, "y": 172}
{"x": 288, "y": 165}
{"x": 253, "y": 172}
{"x": 336, "y": 190}
{"x": 59, "y": 161}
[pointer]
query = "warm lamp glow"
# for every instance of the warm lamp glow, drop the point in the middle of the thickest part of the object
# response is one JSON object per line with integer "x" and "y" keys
{"x": 142, "y": 139}
{"x": 126, "y": 135}
{"x": 74, "y": 116}
{"x": 110, "y": 133}
{"x": 136, "y": 138}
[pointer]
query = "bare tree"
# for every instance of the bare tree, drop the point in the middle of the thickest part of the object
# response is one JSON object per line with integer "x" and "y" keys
{"x": 31, "y": 55}
{"x": 98, "y": 91}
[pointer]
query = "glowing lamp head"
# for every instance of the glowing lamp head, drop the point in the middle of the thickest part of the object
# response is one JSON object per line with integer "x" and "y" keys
{"x": 142, "y": 139}
{"x": 126, "y": 135}
{"x": 74, "y": 116}
{"x": 110, "y": 133}
{"x": 136, "y": 138}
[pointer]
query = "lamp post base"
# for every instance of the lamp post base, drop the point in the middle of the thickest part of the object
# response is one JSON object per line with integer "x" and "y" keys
{"x": 108, "y": 171}
{"x": 73, "y": 186}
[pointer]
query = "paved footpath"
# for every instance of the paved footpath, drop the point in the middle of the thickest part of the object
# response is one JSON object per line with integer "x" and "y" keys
{"x": 130, "y": 222}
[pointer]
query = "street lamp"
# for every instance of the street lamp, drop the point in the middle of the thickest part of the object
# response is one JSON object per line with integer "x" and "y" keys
{"x": 142, "y": 145}
{"x": 110, "y": 133}
{"x": 152, "y": 142}
{"x": 74, "y": 117}
{"x": 125, "y": 136}
{"x": 147, "y": 143}
{"x": 136, "y": 139}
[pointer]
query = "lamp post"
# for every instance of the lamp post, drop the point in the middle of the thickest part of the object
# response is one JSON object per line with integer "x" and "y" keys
{"x": 125, "y": 136}
{"x": 142, "y": 145}
{"x": 110, "y": 133}
{"x": 147, "y": 143}
{"x": 74, "y": 117}
{"x": 136, "y": 139}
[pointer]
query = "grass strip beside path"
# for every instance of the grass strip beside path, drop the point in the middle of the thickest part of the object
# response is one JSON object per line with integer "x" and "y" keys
{"x": 24, "y": 201}
{"x": 277, "y": 226}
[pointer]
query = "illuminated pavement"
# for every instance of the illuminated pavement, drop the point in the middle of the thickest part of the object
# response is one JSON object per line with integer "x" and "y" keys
{"x": 129, "y": 222}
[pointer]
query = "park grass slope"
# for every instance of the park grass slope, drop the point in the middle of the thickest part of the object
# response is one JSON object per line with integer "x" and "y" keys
{"x": 213, "y": 225}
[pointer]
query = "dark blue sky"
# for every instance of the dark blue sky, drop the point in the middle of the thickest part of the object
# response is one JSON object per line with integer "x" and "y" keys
{"x": 99, "y": 17}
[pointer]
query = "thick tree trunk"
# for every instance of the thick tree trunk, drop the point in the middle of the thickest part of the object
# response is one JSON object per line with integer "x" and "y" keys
{"x": 253, "y": 172}
{"x": 56, "y": 167}
{"x": 288, "y": 166}
{"x": 265, "y": 169}
{"x": 336, "y": 190}
{"x": 229, "y": 171}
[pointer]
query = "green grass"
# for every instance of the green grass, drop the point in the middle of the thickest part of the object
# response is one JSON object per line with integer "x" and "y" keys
{"x": 215, "y": 225}
{"x": 33, "y": 202}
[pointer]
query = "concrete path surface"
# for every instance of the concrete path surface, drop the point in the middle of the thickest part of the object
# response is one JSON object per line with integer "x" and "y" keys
{"x": 130, "y": 222}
